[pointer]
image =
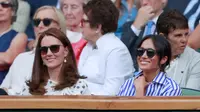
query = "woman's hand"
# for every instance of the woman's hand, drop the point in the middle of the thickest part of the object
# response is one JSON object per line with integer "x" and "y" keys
{"x": 140, "y": 86}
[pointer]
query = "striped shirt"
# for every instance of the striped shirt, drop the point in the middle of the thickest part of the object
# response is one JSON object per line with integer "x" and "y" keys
{"x": 160, "y": 86}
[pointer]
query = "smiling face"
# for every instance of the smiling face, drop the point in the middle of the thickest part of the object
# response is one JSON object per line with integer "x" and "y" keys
{"x": 73, "y": 11}
{"x": 6, "y": 13}
{"x": 42, "y": 14}
{"x": 145, "y": 63}
{"x": 54, "y": 58}
{"x": 178, "y": 40}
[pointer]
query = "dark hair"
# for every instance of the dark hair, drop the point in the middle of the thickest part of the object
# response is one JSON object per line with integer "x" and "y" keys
{"x": 102, "y": 12}
{"x": 162, "y": 46}
{"x": 171, "y": 20}
{"x": 68, "y": 74}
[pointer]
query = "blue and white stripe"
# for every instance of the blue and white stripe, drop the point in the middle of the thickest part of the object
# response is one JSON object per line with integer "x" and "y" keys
{"x": 160, "y": 86}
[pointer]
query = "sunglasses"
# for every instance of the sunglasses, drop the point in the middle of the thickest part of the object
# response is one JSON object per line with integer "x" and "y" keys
{"x": 46, "y": 21}
{"x": 53, "y": 49}
{"x": 83, "y": 21}
{"x": 150, "y": 52}
{"x": 5, "y": 4}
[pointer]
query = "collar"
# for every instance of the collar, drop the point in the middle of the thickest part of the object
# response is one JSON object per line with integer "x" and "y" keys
{"x": 155, "y": 19}
{"x": 160, "y": 77}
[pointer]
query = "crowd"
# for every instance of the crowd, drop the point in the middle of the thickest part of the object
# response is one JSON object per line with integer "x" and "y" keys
{"x": 97, "y": 47}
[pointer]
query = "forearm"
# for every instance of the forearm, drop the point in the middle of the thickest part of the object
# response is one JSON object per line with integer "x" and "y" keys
{"x": 5, "y": 59}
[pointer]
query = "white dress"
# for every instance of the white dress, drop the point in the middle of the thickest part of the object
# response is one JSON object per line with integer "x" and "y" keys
{"x": 80, "y": 88}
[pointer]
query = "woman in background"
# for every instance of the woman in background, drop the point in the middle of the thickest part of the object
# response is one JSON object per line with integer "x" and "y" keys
{"x": 12, "y": 43}
{"x": 128, "y": 12}
{"x": 73, "y": 11}
{"x": 105, "y": 60}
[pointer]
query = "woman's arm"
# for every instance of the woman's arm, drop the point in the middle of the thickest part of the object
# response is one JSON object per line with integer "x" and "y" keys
{"x": 17, "y": 46}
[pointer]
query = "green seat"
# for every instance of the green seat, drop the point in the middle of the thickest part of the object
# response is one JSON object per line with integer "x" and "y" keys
{"x": 198, "y": 50}
{"x": 190, "y": 92}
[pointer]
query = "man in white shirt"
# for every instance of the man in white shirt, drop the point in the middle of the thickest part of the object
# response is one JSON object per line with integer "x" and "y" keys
{"x": 134, "y": 31}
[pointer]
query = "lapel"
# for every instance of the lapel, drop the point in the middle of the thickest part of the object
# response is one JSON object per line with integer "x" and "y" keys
{"x": 181, "y": 66}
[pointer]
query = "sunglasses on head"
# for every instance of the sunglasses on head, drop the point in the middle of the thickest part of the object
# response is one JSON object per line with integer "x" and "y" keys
{"x": 46, "y": 21}
{"x": 6, "y": 4}
{"x": 53, "y": 49}
{"x": 149, "y": 52}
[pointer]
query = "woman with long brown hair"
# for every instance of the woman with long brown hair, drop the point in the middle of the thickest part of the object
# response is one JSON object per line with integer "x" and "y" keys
{"x": 54, "y": 70}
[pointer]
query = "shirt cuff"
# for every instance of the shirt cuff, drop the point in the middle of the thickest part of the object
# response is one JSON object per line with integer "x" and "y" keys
{"x": 135, "y": 30}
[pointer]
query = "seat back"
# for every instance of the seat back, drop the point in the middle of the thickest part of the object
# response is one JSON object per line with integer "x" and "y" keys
{"x": 190, "y": 92}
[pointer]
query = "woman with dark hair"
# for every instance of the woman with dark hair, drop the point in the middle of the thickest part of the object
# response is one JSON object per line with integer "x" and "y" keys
{"x": 105, "y": 60}
{"x": 153, "y": 56}
{"x": 54, "y": 69}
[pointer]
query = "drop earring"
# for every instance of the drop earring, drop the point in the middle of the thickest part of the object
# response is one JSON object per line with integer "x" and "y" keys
{"x": 65, "y": 60}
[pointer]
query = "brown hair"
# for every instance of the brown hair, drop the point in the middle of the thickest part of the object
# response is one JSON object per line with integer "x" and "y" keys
{"x": 171, "y": 20}
{"x": 102, "y": 12}
{"x": 68, "y": 74}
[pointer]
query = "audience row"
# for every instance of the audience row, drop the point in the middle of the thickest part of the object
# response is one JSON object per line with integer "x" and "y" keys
{"x": 77, "y": 51}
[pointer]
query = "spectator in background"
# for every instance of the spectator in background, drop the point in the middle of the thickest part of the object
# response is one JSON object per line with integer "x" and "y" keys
{"x": 11, "y": 42}
{"x": 190, "y": 8}
{"x": 153, "y": 56}
{"x": 144, "y": 24}
{"x": 22, "y": 17}
{"x": 185, "y": 63}
{"x": 45, "y": 17}
{"x": 105, "y": 60}
{"x": 128, "y": 12}
{"x": 194, "y": 39}
{"x": 73, "y": 11}
{"x": 35, "y": 4}
{"x": 54, "y": 70}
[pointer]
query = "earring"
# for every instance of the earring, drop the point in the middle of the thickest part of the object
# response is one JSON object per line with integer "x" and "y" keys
{"x": 65, "y": 60}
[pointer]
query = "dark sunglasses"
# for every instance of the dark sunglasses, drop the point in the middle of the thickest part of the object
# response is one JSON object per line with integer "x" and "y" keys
{"x": 53, "y": 49}
{"x": 6, "y": 4}
{"x": 46, "y": 21}
{"x": 150, "y": 52}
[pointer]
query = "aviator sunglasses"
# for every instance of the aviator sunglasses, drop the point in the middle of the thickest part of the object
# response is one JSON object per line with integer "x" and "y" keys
{"x": 5, "y": 4}
{"x": 46, "y": 21}
{"x": 53, "y": 49}
{"x": 149, "y": 52}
